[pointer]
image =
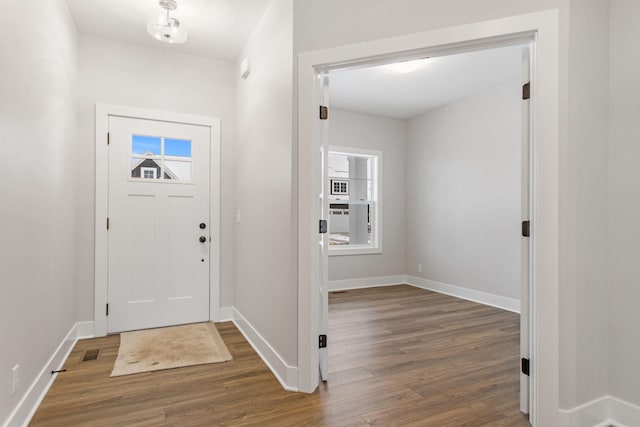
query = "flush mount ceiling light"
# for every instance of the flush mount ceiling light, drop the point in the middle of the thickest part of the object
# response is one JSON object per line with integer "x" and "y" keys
{"x": 164, "y": 28}
{"x": 404, "y": 67}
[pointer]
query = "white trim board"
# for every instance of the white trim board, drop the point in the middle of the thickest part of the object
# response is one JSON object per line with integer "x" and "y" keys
{"x": 103, "y": 111}
{"x": 594, "y": 413}
{"x": 485, "y": 298}
{"x": 603, "y": 412}
{"x": 366, "y": 282}
{"x": 226, "y": 314}
{"x": 623, "y": 413}
{"x": 28, "y": 405}
{"x": 287, "y": 375}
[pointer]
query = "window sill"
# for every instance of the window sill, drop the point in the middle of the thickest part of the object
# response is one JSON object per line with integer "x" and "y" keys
{"x": 354, "y": 251}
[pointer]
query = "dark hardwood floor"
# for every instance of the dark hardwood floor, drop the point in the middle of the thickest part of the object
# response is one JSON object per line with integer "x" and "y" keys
{"x": 399, "y": 356}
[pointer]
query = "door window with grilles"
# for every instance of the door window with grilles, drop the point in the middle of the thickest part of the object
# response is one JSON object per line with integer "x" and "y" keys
{"x": 159, "y": 158}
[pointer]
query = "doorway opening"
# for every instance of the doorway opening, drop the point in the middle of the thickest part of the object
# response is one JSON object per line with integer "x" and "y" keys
{"x": 542, "y": 29}
{"x": 454, "y": 131}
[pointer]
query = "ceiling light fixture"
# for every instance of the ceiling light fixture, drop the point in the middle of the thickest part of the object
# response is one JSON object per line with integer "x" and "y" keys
{"x": 164, "y": 28}
{"x": 404, "y": 67}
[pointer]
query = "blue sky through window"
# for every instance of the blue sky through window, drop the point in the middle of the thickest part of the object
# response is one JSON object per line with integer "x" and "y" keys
{"x": 177, "y": 147}
{"x": 143, "y": 144}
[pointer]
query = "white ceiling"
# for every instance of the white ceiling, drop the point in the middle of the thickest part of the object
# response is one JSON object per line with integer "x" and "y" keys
{"x": 442, "y": 80}
{"x": 217, "y": 28}
{"x": 220, "y": 28}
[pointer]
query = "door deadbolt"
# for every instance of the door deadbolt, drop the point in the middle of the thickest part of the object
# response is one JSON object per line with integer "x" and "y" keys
{"x": 202, "y": 239}
{"x": 203, "y": 226}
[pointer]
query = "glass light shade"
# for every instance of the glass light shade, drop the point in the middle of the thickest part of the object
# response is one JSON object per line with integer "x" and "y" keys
{"x": 166, "y": 29}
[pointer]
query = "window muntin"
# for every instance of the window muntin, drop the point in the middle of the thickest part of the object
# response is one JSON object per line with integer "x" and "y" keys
{"x": 353, "y": 201}
{"x": 160, "y": 158}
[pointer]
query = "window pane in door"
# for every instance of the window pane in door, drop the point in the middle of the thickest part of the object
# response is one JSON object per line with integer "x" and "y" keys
{"x": 175, "y": 169}
{"x": 177, "y": 147}
{"x": 145, "y": 145}
{"x": 145, "y": 168}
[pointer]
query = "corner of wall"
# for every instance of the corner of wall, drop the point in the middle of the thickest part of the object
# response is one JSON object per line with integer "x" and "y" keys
{"x": 485, "y": 298}
{"x": 606, "y": 411}
{"x": 28, "y": 405}
{"x": 286, "y": 375}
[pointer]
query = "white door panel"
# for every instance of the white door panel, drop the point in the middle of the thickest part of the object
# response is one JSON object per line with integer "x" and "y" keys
{"x": 158, "y": 270}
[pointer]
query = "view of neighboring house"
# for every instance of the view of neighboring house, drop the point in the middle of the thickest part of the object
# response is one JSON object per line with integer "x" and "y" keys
{"x": 150, "y": 169}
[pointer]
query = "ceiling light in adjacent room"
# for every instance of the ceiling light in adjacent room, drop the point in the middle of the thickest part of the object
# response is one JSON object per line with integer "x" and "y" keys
{"x": 404, "y": 67}
{"x": 165, "y": 28}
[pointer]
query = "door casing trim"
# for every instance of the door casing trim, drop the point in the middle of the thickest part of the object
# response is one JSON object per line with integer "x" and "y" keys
{"x": 543, "y": 28}
{"x": 103, "y": 112}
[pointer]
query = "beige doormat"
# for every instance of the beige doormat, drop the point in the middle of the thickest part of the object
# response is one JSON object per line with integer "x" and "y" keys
{"x": 166, "y": 348}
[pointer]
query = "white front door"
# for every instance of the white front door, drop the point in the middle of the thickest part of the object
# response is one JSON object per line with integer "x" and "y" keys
{"x": 158, "y": 226}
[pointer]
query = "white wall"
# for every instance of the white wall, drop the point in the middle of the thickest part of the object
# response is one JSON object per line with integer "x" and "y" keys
{"x": 38, "y": 188}
{"x": 583, "y": 197}
{"x": 265, "y": 292}
{"x": 127, "y": 74}
{"x": 464, "y": 192}
{"x": 349, "y": 129}
{"x": 356, "y": 21}
{"x": 624, "y": 203}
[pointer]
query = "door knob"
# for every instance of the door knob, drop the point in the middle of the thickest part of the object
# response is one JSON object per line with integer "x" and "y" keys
{"x": 203, "y": 226}
{"x": 202, "y": 239}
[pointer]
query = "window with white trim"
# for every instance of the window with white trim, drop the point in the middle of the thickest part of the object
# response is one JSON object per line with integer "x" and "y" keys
{"x": 354, "y": 205}
{"x": 160, "y": 158}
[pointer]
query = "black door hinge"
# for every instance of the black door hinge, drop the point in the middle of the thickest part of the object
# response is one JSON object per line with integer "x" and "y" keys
{"x": 323, "y": 341}
{"x": 108, "y": 138}
{"x": 526, "y": 228}
{"x": 524, "y": 366}
{"x": 526, "y": 90}
{"x": 324, "y": 112}
{"x": 107, "y": 223}
{"x": 107, "y": 311}
{"x": 323, "y": 226}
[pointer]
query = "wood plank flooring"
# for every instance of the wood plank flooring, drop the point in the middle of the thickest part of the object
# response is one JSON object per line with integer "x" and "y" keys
{"x": 399, "y": 356}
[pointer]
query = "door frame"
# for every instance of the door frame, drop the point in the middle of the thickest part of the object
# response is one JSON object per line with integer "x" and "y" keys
{"x": 542, "y": 28}
{"x": 103, "y": 112}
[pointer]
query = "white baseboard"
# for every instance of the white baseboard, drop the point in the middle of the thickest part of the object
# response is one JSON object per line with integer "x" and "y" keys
{"x": 593, "y": 414}
{"x": 366, "y": 282}
{"x": 623, "y": 413}
{"x": 498, "y": 301}
{"x": 28, "y": 405}
{"x": 603, "y": 412}
{"x": 226, "y": 314}
{"x": 285, "y": 374}
{"x": 504, "y": 303}
{"x": 85, "y": 330}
